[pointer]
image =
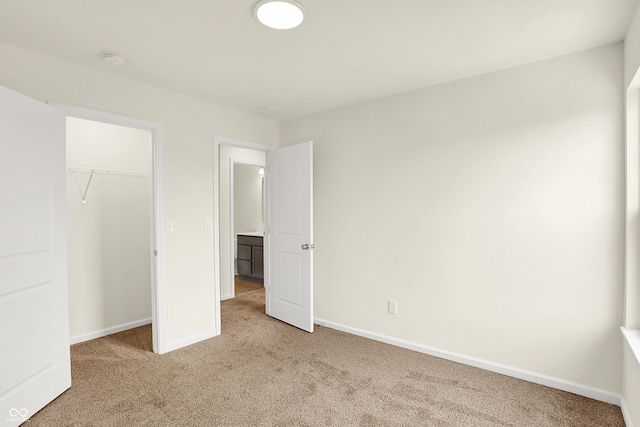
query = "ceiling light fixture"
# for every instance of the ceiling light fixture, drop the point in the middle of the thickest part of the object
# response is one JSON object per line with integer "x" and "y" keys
{"x": 279, "y": 14}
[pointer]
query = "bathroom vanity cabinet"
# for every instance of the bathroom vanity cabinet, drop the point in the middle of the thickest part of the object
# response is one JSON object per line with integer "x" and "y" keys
{"x": 250, "y": 256}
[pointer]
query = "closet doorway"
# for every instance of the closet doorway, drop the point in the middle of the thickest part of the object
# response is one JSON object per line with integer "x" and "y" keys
{"x": 114, "y": 246}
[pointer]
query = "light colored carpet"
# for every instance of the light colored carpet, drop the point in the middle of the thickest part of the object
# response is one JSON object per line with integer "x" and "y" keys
{"x": 262, "y": 372}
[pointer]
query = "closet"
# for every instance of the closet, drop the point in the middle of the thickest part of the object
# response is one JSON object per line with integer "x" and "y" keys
{"x": 109, "y": 211}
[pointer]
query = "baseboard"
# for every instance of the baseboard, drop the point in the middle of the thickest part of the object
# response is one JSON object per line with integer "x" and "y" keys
{"x": 108, "y": 331}
{"x": 625, "y": 412}
{"x": 225, "y": 297}
{"x": 191, "y": 340}
{"x": 557, "y": 383}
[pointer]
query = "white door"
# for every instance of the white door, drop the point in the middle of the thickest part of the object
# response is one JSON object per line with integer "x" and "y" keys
{"x": 289, "y": 237}
{"x": 34, "y": 328}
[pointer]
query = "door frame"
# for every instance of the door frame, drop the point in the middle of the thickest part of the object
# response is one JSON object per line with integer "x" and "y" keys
{"x": 158, "y": 290}
{"x": 232, "y": 163}
{"x": 219, "y": 140}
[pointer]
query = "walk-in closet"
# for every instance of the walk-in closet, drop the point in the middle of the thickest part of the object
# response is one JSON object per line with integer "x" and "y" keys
{"x": 109, "y": 205}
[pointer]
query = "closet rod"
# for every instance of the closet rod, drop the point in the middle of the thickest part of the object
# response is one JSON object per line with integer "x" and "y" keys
{"x": 92, "y": 172}
{"x": 107, "y": 172}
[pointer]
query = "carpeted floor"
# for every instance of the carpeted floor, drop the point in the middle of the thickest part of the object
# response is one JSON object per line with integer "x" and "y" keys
{"x": 262, "y": 372}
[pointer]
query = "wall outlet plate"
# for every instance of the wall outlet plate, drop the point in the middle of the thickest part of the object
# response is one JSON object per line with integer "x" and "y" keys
{"x": 393, "y": 307}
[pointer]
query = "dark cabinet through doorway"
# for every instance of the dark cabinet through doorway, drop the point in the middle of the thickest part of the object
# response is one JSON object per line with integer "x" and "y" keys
{"x": 250, "y": 258}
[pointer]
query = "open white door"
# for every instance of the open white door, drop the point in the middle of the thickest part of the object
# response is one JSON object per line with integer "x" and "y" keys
{"x": 34, "y": 328}
{"x": 289, "y": 237}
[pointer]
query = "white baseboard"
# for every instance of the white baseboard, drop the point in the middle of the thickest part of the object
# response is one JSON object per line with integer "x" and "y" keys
{"x": 225, "y": 296}
{"x": 557, "y": 383}
{"x": 108, "y": 331}
{"x": 625, "y": 413}
{"x": 191, "y": 340}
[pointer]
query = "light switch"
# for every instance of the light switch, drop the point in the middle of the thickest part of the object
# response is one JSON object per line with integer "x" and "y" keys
{"x": 170, "y": 227}
{"x": 393, "y": 307}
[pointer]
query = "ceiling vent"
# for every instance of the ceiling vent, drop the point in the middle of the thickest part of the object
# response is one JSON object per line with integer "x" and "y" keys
{"x": 269, "y": 111}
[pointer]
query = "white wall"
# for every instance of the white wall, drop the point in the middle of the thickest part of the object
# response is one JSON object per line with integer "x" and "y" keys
{"x": 490, "y": 208}
{"x": 189, "y": 126}
{"x": 631, "y": 366}
{"x": 226, "y": 154}
{"x": 247, "y": 198}
{"x": 109, "y": 235}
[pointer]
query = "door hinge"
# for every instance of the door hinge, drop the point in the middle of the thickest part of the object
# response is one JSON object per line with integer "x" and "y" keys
{"x": 155, "y": 252}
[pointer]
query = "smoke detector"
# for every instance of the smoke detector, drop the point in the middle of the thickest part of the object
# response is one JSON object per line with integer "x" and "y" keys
{"x": 113, "y": 58}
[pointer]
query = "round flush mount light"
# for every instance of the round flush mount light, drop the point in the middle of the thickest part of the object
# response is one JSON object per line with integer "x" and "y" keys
{"x": 113, "y": 58}
{"x": 279, "y": 14}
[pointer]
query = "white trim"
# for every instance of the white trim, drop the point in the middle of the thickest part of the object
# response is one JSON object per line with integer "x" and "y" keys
{"x": 158, "y": 303}
{"x": 632, "y": 336}
{"x": 631, "y": 311}
{"x": 226, "y": 297}
{"x": 546, "y": 380}
{"x": 108, "y": 331}
{"x": 232, "y": 163}
{"x": 219, "y": 140}
{"x": 241, "y": 143}
{"x": 626, "y": 415}
{"x": 633, "y": 339}
{"x": 105, "y": 117}
{"x": 191, "y": 340}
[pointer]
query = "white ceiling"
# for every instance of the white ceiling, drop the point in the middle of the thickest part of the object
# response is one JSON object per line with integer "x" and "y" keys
{"x": 346, "y": 51}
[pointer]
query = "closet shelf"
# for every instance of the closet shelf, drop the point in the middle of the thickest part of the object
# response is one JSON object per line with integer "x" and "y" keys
{"x": 106, "y": 172}
{"x": 92, "y": 172}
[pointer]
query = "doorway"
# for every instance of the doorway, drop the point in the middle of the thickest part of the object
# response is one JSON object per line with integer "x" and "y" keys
{"x": 226, "y": 151}
{"x": 108, "y": 231}
{"x": 288, "y": 237}
{"x": 87, "y": 179}
{"x": 246, "y": 203}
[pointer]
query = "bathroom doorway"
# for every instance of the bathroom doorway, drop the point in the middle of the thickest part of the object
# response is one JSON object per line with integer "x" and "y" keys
{"x": 232, "y": 159}
{"x": 247, "y": 224}
{"x": 224, "y": 150}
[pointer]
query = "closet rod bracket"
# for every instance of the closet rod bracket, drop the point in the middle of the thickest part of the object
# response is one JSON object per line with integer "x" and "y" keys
{"x": 84, "y": 196}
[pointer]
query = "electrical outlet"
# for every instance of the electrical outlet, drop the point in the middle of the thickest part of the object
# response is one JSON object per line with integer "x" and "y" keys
{"x": 170, "y": 311}
{"x": 393, "y": 307}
